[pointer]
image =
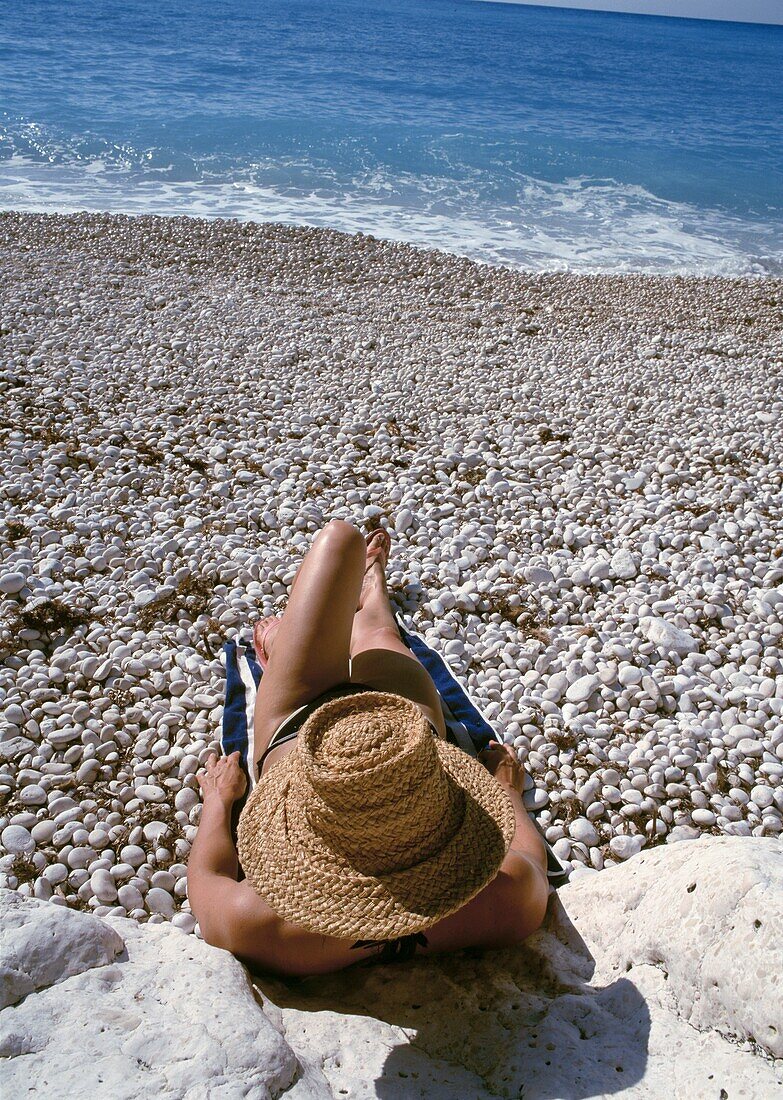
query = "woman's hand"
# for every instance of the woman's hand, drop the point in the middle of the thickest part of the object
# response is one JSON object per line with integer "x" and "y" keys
{"x": 502, "y": 762}
{"x": 222, "y": 778}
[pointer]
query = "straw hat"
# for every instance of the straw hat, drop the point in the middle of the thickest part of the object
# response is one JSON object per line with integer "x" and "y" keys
{"x": 372, "y": 827}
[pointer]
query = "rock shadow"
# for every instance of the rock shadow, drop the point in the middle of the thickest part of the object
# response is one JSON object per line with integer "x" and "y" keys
{"x": 523, "y": 1023}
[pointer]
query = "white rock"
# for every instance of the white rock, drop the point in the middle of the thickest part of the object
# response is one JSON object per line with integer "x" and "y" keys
{"x": 403, "y": 521}
{"x": 535, "y": 798}
{"x": 581, "y": 689}
{"x": 682, "y": 833}
{"x": 42, "y": 944}
{"x": 583, "y": 830}
{"x": 103, "y": 885}
{"x": 133, "y": 854}
{"x": 13, "y": 747}
{"x": 750, "y": 746}
{"x": 32, "y": 795}
{"x": 150, "y": 793}
{"x": 623, "y": 565}
{"x": 148, "y": 1018}
{"x": 667, "y": 636}
{"x": 185, "y": 799}
{"x": 159, "y": 901}
{"x": 17, "y": 840}
{"x": 624, "y": 847}
{"x": 656, "y": 936}
{"x": 538, "y": 575}
{"x": 11, "y": 583}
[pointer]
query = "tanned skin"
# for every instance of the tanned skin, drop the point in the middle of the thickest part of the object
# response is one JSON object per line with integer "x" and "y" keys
{"x": 339, "y": 626}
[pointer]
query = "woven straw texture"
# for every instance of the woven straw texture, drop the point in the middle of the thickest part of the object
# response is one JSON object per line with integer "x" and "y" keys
{"x": 372, "y": 827}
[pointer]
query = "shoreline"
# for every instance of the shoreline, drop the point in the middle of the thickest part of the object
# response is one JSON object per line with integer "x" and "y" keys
{"x": 392, "y": 241}
{"x": 579, "y": 469}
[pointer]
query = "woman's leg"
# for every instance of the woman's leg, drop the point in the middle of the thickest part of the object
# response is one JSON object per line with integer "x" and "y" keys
{"x": 312, "y": 644}
{"x": 380, "y": 658}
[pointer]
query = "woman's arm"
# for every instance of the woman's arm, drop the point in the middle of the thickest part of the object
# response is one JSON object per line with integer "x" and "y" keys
{"x": 213, "y": 864}
{"x": 504, "y": 764}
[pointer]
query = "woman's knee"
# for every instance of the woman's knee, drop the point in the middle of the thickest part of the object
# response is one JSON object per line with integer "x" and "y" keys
{"x": 342, "y": 537}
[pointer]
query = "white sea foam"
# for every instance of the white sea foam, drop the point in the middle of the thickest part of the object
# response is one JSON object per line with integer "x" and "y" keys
{"x": 582, "y": 224}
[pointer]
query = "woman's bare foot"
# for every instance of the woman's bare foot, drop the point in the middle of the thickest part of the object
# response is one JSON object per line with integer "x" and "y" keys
{"x": 263, "y": 636}
{"x": 378, "y": 547}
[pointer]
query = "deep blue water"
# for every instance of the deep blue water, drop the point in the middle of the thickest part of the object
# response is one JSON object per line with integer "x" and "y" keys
{"x": 545, "y": 138}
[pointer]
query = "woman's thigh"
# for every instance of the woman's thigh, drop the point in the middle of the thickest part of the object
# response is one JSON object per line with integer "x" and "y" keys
{"x": 311, "y": 649}
{"x": 401, "y": 673}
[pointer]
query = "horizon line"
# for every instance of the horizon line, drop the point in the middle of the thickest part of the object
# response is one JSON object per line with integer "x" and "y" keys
{"x": 643, "y": 14}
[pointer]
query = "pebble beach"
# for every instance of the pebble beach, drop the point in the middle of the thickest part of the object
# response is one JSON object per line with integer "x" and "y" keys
{"x": 582, "y": 474}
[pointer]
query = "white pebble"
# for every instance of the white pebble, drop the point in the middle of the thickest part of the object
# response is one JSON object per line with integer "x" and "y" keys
{"x": 159, "y": 901}
{"x": 624, "y": 847}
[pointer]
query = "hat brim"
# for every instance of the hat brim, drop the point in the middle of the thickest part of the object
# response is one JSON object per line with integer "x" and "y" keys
{"x": 311, "y": 885}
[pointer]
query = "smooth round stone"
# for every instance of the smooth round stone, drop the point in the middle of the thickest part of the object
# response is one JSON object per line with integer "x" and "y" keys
{"x": 61, "y": 738}
{"x": 762, "y": 796}
{"x": 42, "y": 889}
{"x": 43, "y": 831}
{"x": 122, "y": 871}
{"x": 98, "y": 839}
{"x": 55, "y": 873}
{"x": 583, "y": 830}
{"x": 89, "y": 666}
{"x": 624, "y": 847}
{"x": 682, "y": 832}
{"x": 403, "y": 521}
{"x": 703, "y": 817}
{"x": 155, "y": 831}
{"x": 186, "y": 922}
{"x": 103, "y": 886}
{"x": 11, "y": 583}
{"x": 17, "y": 840}
{"x": 159, "y": 901}
{"x": 737, "y": 732}
{"x": 134, "y": 855}
{"x": 130, "y": 897}
{"x": 562, "y": 848}
{"x": 63, "y": 804}
{"x": 750, "y": 746}
{"x": 32, "y": 795}
{"x": 79, "y": 858}
{"x": 536, "y": 798}
{"x": 581, "y": 689}
{"x": 188, "y": 765}
{"x": 150, "y": 793}
{"x": 185, "y": 799}
{"x": 629, "y": 675}
{"x": 164, "y": 880}
{"x": 87, "y": 771}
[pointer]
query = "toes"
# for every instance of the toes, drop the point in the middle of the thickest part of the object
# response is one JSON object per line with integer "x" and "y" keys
{"x": 378, "y": 545}
{"x": 263, "y": 631}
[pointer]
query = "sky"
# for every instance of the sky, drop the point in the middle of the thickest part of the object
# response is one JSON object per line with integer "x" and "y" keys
{"x": 744, "y": 11}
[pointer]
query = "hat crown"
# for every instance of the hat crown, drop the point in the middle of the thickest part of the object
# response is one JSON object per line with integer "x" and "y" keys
{"x": 375, "y": 789}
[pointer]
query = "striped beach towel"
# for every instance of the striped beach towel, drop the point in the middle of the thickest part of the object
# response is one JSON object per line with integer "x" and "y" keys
{"x": 466, "y": 726}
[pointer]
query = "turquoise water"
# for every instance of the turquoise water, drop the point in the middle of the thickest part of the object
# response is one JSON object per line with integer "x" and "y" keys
{"x": 543, "y": 138}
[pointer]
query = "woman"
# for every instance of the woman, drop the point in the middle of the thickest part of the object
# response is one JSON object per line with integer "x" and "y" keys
{"x": 367, "y": 835}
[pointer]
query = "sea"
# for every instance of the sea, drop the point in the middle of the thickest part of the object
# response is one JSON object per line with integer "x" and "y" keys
{"x": 542, "y": 138}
